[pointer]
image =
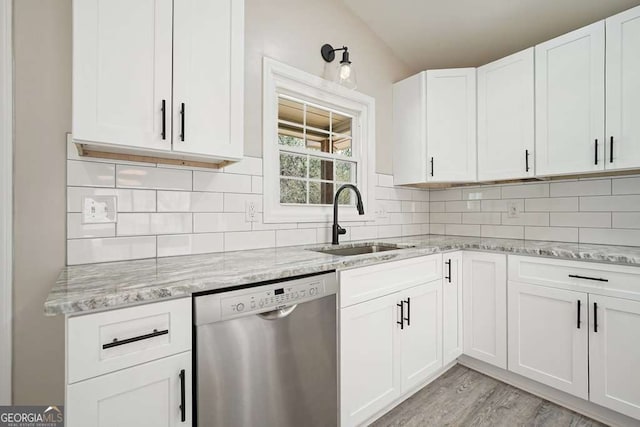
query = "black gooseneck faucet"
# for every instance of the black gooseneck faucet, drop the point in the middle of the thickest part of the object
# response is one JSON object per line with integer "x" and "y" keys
{"x": 337, "y": 230}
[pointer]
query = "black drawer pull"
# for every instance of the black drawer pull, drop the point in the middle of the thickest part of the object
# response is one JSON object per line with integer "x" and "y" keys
{"x": 596, "y": 151}
{"x": 595, "y": 317}
{"x": 579, "y": 304}
{"x": 183, "y": 398}
{"x": 401, "y": 322}
{"x": 598, "y": 279}
{"x": 116, "y": 342}
{"x": 611, "y": 151}
{"x": 164, "y": 119}
{"x": 448, "y": 263}
{"x": 408, "y": 318}
{"x": 183, "y": 113}
{"x": 526, "y": 160}
{"x": 432, "y": 166}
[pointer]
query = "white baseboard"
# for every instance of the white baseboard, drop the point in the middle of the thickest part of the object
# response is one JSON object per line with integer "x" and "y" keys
{"x": 584, "y": 407}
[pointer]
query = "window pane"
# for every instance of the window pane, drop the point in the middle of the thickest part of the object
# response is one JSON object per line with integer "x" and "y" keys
{"x": 290, "y": 141}
{"x": 291, "y": 111}
{"x": 293, "y": 191}
{"x": 293, "y": 165}
{"x": 341, "y": 145}
{"x": 346, "y": 172}
{"x": 318, "y": 118}
{"x": 341, "y": 124}
{"x": 320, "y": 169}
{"x": 318, "y": 141}
{"x": 320, "y": 193}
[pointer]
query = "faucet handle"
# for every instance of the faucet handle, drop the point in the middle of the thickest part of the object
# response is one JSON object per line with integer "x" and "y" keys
{"x": 341, "y": 230}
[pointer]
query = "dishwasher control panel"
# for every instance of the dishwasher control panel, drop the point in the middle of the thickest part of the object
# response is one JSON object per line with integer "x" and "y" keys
{"x": 271, "y": 298}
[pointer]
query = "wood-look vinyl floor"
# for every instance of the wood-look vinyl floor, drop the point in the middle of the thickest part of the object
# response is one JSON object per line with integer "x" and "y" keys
{"x": 463, "y": 397}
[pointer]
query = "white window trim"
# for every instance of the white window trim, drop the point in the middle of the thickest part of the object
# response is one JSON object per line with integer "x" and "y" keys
{"x": 6, "y": 199}
{"x": 279, "y": 78}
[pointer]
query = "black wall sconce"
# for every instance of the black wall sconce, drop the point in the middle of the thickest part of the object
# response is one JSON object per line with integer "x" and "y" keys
{"x": 345, "y": 74}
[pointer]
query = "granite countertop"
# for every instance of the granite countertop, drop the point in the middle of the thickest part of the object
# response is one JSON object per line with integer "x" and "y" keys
{"x": 112, "y": 285}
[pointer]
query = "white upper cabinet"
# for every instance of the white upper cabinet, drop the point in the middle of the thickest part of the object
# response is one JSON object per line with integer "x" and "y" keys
{"x": 623, "y": 90}
{"x": 122, "y": 72}
{"x": 451, "y": 125}
{"x": 506, "y": 118}
{"x": 208, "y": 77}
{"x": 159, "y": 78}
{"x": 570, "y": 102}
{"x": 434, "y": 116}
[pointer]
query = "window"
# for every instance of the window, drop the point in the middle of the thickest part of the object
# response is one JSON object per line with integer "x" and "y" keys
{"x": 317, "y": 136}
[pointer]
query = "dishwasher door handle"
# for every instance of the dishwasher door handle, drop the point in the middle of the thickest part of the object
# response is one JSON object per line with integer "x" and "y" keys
{"x": 278, "y": 314}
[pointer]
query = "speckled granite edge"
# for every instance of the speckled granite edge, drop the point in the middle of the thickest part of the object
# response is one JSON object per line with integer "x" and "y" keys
{"x": 113, "y": 285}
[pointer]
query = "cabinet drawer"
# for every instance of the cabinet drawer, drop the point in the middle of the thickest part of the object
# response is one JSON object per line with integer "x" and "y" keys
{"x": 366, "y": 283}
{"x": 112, "y": 340}
{"x": 607, "y": 279}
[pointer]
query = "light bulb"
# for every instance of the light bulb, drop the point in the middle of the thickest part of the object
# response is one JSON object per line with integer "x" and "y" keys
{"x": 345, "y": 71}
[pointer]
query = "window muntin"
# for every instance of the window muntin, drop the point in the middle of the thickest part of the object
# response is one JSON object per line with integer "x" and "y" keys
{"x": 316, "y": 153}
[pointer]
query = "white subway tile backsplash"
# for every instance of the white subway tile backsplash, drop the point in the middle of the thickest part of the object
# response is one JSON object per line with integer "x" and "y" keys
{"x": 610, "y": 203}
{"x": 444, "y": 195}
{"x": 256, "y": 184}
{"x": 221, "y": 182}
{"x": 90, "y": 174}
{"x": 462, "y": 230}
{"x": 525, "y": 191}
{"x": 385, "y": 231}
{"x": 445, "y": 218}
{"x": 238, "y": 202}
{"x": 138, "y": 224}
{"x": 554, "y": 204}
{"x": 190, "y": 244}
{"x": 481, "y": 218}
{"x": 411, "y": 229}
{"x": 245, "y": 240}
{"x": 217, "y": 222}
{"x": 462, "y": 206}
{"x": 501, "y": 205}
{"x": 363, "y": 232}
{"x": 481, "y": 193}
{"x": 436, "y": 206}
{"x": 436, "y": 229}
{"x": 527, "y": 218}
{"x": 189, "y": 201}
{"x": 592, "y": 187}
{"x": 420, "y": 217}
{"x": 502, "y": 231}
{"x": 87, "y": 251}
{"x": 554, "y": 234}
{"x": 629, "y": 185}
{"x": 626, "y": 220}
{"x": 127, "y": 200}
{"x": 581, "y": 219}
{"x": 128, "y": 176}
{"x": 76, "y": 229}
{"x": 306, "y": 236}
{"x": 624, "y": 237}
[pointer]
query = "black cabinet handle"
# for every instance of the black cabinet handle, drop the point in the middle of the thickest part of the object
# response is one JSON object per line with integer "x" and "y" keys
{"x": 449, "y": 265}
{"x": 595, "y": 317}
{"x": 598, "y": 279}
{"x": 401, "y": 322}
{"x": 611, "y": 150}
{"x": 182, "y": 114}
{"x": 596, "y": 151}
{"x": 526, "y": 160}
{"x": 408, "y": 318}
{"x": 164, "y": 119}
{"x": 116, "y": 342}
{"x": 183, "y": 397}
{"x": 579, "y": 304}
{"x": 432, "y": 166}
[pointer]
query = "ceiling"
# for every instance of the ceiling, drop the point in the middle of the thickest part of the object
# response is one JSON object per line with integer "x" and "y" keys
{"x": 429, "y": 34}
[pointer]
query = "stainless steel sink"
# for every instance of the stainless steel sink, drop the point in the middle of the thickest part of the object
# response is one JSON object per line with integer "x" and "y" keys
{"x": 358, "y": 249}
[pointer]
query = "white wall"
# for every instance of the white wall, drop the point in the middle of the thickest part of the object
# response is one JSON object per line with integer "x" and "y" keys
{"x": 589, "y": 210}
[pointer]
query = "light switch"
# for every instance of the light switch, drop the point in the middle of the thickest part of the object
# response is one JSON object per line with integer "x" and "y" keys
{"x": 99, "y": 209}
{"x": 514, "y": 210}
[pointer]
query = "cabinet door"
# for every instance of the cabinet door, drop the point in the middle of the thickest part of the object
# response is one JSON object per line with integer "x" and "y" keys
{"x": 452, "y": 307}
{"x": 451, "y": 125}
{"x": 147, "y": 395}
{"x": 421, "y": 334}
{"x": 208, "y": 79}
{"x": 484, "y": 298}
{"x": 409, "y": 130}
{"x": 548, "y": 333}
{"x": 570, "y": 102}
{"x": 369, "y": 358}
{"x": 623, "y": 90}
{"x": 506, "y": 118}
{"x": 614, "y": 352}
{"x": 122, "y": 72}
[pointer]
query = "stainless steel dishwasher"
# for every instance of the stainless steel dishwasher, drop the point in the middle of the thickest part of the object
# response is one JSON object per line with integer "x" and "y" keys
{"x": 267, "y": 355}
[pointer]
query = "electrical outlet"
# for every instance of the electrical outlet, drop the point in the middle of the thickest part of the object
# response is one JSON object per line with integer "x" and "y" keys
{"x": 382, "y": 211}
{"x": 250, "y": 211}
{"x": 514, "y": 210}
{"x": 99, "y": 209}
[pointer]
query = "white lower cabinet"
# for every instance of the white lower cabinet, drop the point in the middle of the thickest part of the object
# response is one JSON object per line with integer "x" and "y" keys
{"x": 548, "y": 333}
{"x": 420, "y": 336}
{"x": 614, "y": 354}
{"x": 452, "y": 307}
{"x": 485, "y": 307}
{"x": 147, "y": 395}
